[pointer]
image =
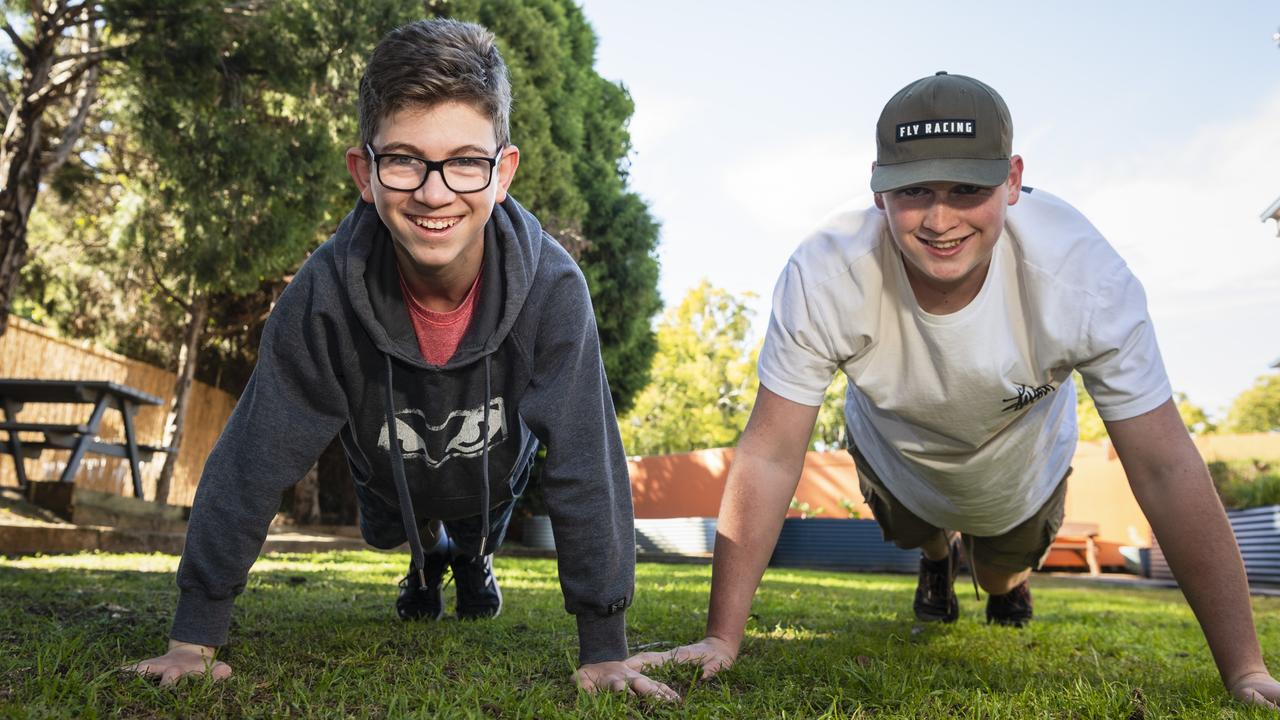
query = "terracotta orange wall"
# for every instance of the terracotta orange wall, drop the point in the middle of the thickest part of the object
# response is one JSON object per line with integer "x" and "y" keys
{"x": 684, "y": 485}
{"x": 690, "y": 485}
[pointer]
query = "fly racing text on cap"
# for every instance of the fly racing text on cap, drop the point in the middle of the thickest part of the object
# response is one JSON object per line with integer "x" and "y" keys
{"x": 943, "y": 128}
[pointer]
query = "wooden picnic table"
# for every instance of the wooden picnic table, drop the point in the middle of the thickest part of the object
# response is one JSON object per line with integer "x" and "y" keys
{"x": 78, "y": 438}
{"x": 1080, "y": 538}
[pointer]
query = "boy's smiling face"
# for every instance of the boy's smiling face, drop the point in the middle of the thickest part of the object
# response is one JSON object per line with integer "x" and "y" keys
{"x": 947, "y": 233}
{"x": 437, "y": 232}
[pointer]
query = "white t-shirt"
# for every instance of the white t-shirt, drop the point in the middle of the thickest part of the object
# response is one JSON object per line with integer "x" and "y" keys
{"x": 968, "y": 418}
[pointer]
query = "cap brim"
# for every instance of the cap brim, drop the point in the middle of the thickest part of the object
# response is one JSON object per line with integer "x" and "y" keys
{"x": 984, "y": 173}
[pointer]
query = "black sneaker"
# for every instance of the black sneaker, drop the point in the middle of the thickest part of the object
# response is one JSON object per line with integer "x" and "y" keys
{"x": 1013, "y": 608}
{"x": 478, "y": 593}
{"x": 935, "y": 589}
{"x": 418, "y": 601}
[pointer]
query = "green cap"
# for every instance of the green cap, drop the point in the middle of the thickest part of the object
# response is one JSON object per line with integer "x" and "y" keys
{"x": 943, "y": 128}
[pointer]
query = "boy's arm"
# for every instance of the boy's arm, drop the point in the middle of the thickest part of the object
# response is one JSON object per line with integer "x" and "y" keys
{"x": 290, "y": 410}
{"x": 281, "y": 424}
{"x": 762, "y": 480}
{"x": 1172, "y": 485}
{"x": 585, "y": 481}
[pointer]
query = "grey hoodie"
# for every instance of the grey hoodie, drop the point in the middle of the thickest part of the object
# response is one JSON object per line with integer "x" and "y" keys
{"x": 339, "y": 346}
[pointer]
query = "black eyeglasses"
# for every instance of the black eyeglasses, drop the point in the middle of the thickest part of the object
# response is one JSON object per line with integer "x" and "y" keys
{"x": 407, "y": 173}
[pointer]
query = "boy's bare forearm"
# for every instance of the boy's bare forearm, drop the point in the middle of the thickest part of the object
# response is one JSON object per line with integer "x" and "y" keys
{"x": 751, "y": 515}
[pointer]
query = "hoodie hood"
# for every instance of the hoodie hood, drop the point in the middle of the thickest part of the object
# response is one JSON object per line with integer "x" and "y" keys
{"x": 366, "y": 260}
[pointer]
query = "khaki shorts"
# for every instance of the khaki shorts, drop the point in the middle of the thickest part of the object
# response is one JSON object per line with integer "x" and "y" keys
{"x": 1025, "y": 546}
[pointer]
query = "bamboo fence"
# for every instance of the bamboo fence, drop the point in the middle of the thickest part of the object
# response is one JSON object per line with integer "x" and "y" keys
{"x": 30, "y": 351}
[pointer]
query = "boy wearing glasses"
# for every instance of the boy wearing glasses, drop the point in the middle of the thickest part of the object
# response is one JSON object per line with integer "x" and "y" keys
{"x": 442, "y": 335}
{"x": 958, "y": 306}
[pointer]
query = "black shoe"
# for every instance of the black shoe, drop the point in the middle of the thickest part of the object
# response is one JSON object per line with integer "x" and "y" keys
{"x": 478, "y": 593}
{"x": 935, "y": 589}
{"x": 1013, "y": 608}
{"x": 418, "y": 601}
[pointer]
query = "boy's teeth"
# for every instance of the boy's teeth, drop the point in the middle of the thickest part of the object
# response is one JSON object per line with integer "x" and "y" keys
{"x": 435, "y": 224}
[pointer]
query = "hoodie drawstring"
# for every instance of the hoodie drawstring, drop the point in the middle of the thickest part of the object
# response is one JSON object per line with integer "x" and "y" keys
{"x": 484, "y": 462}
{"x": 402, "y": 486}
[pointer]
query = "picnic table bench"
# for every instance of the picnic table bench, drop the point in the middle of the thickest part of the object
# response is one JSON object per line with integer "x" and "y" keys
{"x": 1078, "y": 538}
{"x": 79, "y": 438}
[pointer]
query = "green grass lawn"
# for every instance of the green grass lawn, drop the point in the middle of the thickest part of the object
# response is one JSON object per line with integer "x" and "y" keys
{"x": 316, "y": 635}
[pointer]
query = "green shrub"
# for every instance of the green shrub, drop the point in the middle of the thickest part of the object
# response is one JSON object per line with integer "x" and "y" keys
{"x": 850, "y": 509}
{"x": 1244, "y": 484}
{"x": 803, "y": 508}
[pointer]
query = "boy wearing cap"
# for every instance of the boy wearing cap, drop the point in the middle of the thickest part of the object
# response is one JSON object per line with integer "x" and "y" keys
{"x": 443, "y": 336}
{"x": 958, "y": 306}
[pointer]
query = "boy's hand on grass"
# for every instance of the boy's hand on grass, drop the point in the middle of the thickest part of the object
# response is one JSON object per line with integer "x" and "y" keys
{"x": 1257, "y": 688}
{"x": 181, "y": 660}
{"x": 712, "y": 653}
{"x": 617, "y": 676}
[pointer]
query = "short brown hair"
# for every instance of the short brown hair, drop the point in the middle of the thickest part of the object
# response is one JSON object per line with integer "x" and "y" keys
{"x": 429, "y": 62}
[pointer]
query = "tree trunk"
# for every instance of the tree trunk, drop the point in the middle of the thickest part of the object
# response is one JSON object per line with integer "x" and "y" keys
{"x": 47, "y": 82}
{"x": 182, "y": 392}
{"x": 20, "y": 168}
